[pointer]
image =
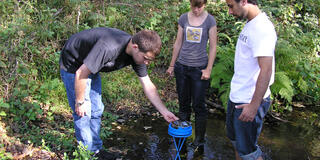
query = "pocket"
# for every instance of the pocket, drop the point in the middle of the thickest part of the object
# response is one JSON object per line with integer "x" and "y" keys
{"x": 263, "y": 109}
{"x": 265, "y": 106}
{"x": 199, "y": 69}
{"x": 87, "y": 105}
{"x": 177, "y": 67}
{"x": 266, "y": 100}
{"x": 238, "y": 111}
{"x": 202, "y": 67}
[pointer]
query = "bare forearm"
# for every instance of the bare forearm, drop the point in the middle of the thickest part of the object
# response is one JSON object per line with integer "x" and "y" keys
{"x": 154, "y": 98}
{"x": 262, "y": 83}
{"x": 80, "y": 81}
{"x": 250, "y": 110}
{"x": 175, "y": 53}
{"x": 80, "y": 87}
{"x": 151, "y": 92}
{"x": 213, "y": 47}
{"x": 212, "y": 57}
{"x": 177, "y": 46}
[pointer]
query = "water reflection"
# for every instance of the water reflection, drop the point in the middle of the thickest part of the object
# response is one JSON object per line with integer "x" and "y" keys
{"x": 281, "y": 142}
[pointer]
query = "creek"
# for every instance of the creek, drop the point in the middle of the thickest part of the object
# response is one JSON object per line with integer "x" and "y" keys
{"x": 147, "y": 138}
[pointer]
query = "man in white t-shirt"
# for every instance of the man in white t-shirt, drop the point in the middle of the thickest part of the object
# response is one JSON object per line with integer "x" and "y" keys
{"x": 254, "y": 64}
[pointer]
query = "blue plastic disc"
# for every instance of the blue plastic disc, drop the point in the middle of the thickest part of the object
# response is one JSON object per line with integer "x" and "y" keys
{"x": 180, "y": 132}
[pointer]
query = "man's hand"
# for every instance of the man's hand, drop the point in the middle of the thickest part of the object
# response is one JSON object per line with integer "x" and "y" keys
{"x": 169, "y": 116}
{"x": 81, "y": 110}
{"x": 249, "y": 112}
{"x": 205, "y": 74}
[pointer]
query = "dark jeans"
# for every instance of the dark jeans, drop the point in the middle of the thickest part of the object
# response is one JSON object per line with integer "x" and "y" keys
{"x": 244, "y": 135}
{"x": 191, "y": 92}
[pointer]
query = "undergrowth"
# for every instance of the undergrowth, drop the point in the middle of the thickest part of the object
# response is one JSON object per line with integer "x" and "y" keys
{"x": 33, "y": 105}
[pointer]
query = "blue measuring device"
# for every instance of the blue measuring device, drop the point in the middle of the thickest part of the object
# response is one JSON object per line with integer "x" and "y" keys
{"x": 179, "y": 130}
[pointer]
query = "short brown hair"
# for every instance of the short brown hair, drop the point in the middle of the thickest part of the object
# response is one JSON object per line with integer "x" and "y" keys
{"x": 198, "y": 3}
{"x": 147, "y": 41}
{"x": 254, "y": 2}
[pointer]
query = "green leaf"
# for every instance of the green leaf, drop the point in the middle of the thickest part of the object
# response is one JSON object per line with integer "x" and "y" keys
{"x": 4, "y": 105}
{"x": 22, "y": 81}
{"x": 223, "y": 35}
{"x": 303, "y": 85}
{"x": 3, "y": 114}
{"x": 23, "y": 69}
{"x": 283, "y": 86}
{"x": 2, "y": 64}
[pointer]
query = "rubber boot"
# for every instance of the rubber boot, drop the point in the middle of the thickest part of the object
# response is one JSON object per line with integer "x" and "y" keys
{"x": 200, "y": 129}
{"x": 196, "y": 148}
{"x": 184, "y": 116}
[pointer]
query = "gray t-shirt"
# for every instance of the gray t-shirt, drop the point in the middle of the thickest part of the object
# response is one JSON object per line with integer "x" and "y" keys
{"x": 193, "y": 51}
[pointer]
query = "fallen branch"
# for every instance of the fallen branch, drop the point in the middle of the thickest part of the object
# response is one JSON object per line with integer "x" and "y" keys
{"x": 218, "y": 106}
{"x": 278, "y": 118}
{"x": 215, "y": 105}
{"x": 58, "y": 12}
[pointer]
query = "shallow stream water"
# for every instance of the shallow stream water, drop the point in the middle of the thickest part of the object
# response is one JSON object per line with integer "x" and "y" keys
{"x": 148, "y": 138}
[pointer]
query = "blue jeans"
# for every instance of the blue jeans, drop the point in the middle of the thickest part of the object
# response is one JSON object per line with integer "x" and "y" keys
{"x": 87, "y": 128}
{"x": 192, "y": 91}
{"x": 244, "y": 135}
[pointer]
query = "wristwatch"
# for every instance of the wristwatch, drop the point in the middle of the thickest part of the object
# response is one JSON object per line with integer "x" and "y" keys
{"x": 79, "y": 103}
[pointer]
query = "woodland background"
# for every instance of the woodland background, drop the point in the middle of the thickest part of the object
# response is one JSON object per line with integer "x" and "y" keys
{"x": 34, "y": 111}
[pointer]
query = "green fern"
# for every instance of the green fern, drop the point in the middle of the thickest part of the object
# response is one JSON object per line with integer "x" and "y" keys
{"x": 222, "y": 72}
{"x": 287, "y": 56}
{"x": 303, "y": 86}
{"x": 283, "y": 86}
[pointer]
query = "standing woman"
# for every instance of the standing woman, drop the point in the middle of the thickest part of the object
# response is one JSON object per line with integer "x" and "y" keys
{"x": 192, "y": 65}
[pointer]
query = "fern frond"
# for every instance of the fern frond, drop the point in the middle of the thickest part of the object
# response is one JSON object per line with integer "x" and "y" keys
{"x": 283, "y": 86}
{"x": 303, "y": 86}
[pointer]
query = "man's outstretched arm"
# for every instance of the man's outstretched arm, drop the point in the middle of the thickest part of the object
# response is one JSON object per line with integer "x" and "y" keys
{"x": 152, "y": 94}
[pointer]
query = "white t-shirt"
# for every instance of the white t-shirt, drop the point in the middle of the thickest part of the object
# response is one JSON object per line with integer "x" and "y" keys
{"x": 257, "y": 38}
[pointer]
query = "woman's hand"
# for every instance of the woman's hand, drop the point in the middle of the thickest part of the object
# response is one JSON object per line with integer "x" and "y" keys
{"x": 170, "y": 70}
{"x": 205, "y": 74}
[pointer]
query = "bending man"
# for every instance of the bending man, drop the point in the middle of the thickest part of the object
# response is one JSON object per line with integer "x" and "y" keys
{"x": 96, "y": 50}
